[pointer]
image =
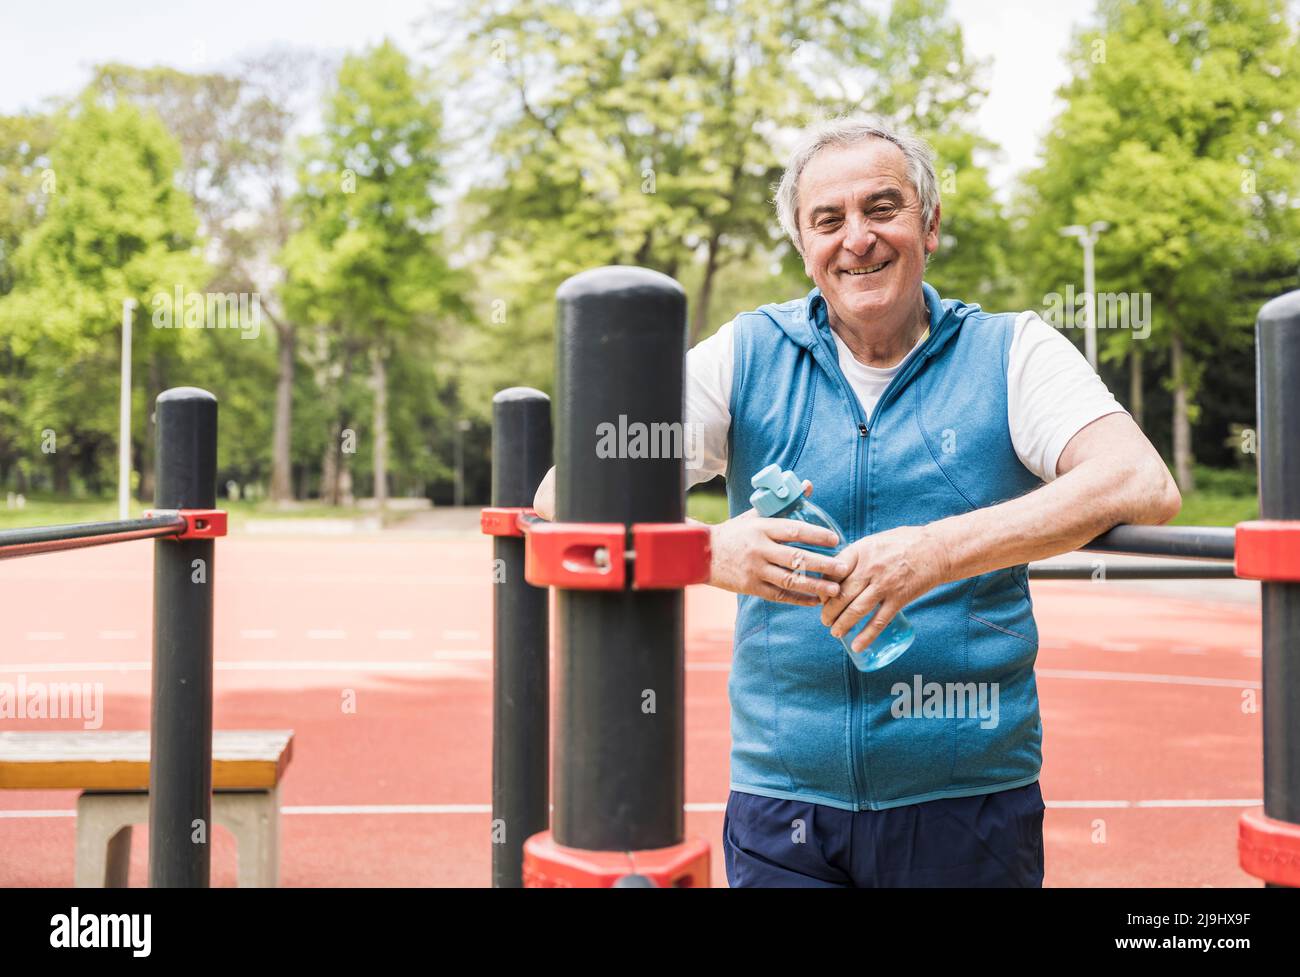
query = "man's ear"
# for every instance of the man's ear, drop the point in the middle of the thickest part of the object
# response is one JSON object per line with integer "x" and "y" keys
{"x": 932, "y": 233}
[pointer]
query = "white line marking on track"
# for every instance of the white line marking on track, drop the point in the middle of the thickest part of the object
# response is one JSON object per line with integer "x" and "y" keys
{"x": 258, "y": 634}
{"x": 252, "y": 666}
{"x": 44, "y": 635}
{"x": 326, "y": 634}
{"x": 117, "y": 635}
{"x": 389, "y": 809}
{"x": 709, "y": 807}
{"x": 462, "y": 655}
{"x": 1227, "y": 683}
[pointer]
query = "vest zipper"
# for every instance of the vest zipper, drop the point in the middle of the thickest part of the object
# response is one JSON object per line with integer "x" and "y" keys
{"x": 857, "y": 680}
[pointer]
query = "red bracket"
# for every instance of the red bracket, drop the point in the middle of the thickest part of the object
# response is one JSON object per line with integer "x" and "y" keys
{"x": 1269, "y": 849}
{"x": 199, "y": 523}
{"x": 549, "y": 865}
{"x": 670, "y": 555}
{"x": 1269, "y": 550}
{"x": 592, "y": 556}
{"x": 503, "y": 520}
{"x": 576, "y": 555}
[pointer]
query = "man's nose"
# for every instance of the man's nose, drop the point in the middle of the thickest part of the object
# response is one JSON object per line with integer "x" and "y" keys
{"x": 859, "y": 235}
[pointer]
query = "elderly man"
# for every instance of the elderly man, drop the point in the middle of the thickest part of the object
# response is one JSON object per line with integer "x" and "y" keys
{"x": 928, "y": 428}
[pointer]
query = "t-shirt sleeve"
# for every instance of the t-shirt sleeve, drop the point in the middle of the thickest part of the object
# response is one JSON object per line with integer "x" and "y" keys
{"x": 708, "y": 405}
{"x": 1052, "y": 394}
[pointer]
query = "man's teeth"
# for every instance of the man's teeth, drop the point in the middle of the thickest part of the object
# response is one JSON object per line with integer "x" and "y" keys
{"x": 866, "y": 271}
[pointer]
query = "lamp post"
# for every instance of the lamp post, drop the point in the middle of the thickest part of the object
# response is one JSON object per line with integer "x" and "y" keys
{"x": 1088, "y": 238}
{"x": 124, "y": 417}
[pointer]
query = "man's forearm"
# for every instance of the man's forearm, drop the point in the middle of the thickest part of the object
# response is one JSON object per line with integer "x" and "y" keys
{"x": 1056, "y": 518}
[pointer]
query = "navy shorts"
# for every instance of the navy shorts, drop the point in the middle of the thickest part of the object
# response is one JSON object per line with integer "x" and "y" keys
{"x": 988, "y": 840}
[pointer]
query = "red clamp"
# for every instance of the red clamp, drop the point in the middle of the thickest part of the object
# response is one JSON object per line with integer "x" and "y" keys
{"x": 1269, "y": 550}
{"x": 593, "y": 555}
{"x": 1269, "y": 849}
{"x": 199, "y": 523}
{"x": 576, "y": 555}
{"x": 670, "y": 555}
{"x": 503, "y": 520}
{"x": 549, "y": 865}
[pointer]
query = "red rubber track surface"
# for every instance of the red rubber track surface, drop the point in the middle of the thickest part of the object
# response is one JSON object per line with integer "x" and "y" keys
{"x": 1152, "y": 741}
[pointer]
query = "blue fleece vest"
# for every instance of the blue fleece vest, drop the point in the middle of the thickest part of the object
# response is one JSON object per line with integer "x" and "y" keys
{"x": 805, "y": 724}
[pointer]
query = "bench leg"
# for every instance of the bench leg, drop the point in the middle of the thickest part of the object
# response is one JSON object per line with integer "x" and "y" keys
{"x": 253, "y": 817}
{"x": 104, "y": 837}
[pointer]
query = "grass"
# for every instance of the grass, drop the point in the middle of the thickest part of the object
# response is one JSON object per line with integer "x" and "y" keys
{"x": 1222, "y": 498}
{"x": 52, "y": 511}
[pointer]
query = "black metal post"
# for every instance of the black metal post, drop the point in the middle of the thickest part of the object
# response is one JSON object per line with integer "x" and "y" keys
{"x": 1277, "y": 364}
{"x": 180, "y": 732}
{"x": 521, "y": 454}
{"x": 620, "y": 710}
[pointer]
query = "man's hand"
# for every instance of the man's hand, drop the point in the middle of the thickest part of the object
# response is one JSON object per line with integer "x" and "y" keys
{"x": 750, "y": 557}
{"x": 891, "y": 569}
{"x": 544, "y": 497}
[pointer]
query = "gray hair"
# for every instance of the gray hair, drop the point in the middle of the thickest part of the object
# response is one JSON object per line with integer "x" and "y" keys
{"x": 850, "y": 132}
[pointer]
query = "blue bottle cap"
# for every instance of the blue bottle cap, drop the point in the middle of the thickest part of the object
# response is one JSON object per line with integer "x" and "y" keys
{"x": 776, "y": 489}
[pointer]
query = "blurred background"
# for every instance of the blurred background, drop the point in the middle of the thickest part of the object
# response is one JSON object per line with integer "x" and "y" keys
{"x": 348, "y": 221}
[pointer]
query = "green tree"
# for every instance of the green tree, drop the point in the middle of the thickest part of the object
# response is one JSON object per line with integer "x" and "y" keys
{"x": 652, "y": 131}
{"x": 25, "y": 183}
{"x": 1180, "y": 130}
{"x": 233, "y": 130}
{"x": 116, "y": 227}
{"x": 367, "y": 265}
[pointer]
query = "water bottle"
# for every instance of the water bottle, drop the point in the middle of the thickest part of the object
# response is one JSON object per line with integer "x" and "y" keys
{"x": 779, "y": 495}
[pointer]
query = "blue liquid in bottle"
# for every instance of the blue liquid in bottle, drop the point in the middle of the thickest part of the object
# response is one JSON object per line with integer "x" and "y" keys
{"x": 779, "y": 495}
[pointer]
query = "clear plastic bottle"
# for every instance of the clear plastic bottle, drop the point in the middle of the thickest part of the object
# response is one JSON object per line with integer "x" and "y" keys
{"x": 779, "y": 495}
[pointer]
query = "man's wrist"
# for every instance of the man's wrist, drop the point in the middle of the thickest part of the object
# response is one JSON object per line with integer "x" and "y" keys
{"x": 935, "y": 533}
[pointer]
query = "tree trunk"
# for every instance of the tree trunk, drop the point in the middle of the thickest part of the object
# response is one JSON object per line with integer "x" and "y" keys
{"x": 1182, "y": 426}
{"x": 700, "y": 318}
{"x": 156, "y": 384}
{"x": 1135, "y": 383}
{"x": 281, "y": 474}
{"x": 380, "y": 378}
{"x": 329, "y": 467}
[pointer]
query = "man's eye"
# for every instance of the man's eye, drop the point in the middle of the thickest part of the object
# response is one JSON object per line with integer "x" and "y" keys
{"x": 880, "y": 213}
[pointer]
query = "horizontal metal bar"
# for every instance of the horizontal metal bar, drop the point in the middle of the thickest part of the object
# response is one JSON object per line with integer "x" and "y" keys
{"x": 50, "y": 539}
{"x": 1152, "y": 570}
{"x": 1186, "y": 542}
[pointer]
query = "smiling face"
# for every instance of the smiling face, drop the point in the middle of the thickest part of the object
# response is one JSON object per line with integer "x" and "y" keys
{"x": 864, "y": 245}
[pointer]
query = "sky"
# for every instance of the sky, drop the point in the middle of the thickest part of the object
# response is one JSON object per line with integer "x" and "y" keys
{"x": 48, "y": 48}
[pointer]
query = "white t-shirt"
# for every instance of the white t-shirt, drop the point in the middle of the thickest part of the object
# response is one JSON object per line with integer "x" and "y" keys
{"x": 1052, "y": 394}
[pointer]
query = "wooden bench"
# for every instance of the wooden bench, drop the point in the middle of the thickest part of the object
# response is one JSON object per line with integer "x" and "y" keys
{"x": 111, "y": 769}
